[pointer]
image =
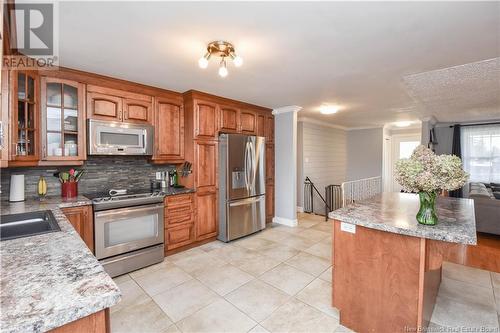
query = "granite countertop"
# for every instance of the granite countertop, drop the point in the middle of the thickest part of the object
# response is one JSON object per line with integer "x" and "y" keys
{"x": 395, "y": 212}
{"x": 51, "y": 279}
{"x": 33, "y": 205}
{"x": 174, "y": 191}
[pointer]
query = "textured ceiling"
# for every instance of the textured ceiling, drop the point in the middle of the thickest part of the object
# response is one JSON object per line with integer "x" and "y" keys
{"x": 354, "y": 54}
{"x": 471, "y": 91}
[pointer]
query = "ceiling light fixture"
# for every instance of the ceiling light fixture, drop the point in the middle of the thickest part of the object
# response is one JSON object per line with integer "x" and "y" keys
{"x": 224, "y": 50}
{"x": 403, "y": 123}
{"x": 328, "y": 109}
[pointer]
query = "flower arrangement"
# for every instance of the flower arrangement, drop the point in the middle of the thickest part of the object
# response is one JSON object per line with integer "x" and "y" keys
{"x": 427, "y": 173}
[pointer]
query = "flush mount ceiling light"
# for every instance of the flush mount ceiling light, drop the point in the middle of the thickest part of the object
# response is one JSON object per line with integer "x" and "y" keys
{"x": 403, "y": 123}
{"x": 223, "y": 50}
{"x": 328, "y": 109}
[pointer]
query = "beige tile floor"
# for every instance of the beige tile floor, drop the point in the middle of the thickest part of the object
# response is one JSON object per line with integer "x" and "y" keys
{"x": 278, "y": 280}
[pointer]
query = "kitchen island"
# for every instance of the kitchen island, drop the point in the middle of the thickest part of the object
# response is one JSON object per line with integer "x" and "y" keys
{"x": 386, "y": 266}
{"x": 52, "y": 281}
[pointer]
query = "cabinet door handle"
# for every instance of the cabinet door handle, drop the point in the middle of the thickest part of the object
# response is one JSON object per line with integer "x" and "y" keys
{"x": 120, "y": 114}
{"x": 125, "y": 114}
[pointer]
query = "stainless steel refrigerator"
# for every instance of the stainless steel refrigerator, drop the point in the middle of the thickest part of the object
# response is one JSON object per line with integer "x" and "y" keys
{"x": 242, "y": 187}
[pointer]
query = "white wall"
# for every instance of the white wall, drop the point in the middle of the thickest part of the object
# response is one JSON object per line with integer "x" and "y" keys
{"x": 285, "y": 138}
{"x": 364, "y": 153}
{"x": 322, "y": 157}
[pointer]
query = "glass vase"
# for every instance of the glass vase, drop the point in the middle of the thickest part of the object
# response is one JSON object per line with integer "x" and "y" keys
{"x": 427, "y": 212}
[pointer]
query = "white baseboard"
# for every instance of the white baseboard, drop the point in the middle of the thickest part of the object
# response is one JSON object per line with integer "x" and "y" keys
{"x": 300, "y": 209}
{"x": 285, "y": 221}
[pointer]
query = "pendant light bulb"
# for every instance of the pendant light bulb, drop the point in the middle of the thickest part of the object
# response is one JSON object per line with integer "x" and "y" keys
{"x": 223, "y": 69}
{"x": 203, "y": 61}
{"x": 238, "y": 61}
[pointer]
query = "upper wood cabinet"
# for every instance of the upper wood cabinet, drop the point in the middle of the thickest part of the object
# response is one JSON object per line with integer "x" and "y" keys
{"x": 117, "y": 105}
{"x": 205, "y": 163}
{"x": 248, "y": 122}
{"x": 269, "y": 163}
{"x": 104, "y": 107}
{"x": 261, "y": 125}
{"x": 169, "y": 130}
{"x": 136, "y": 111}
{"x": 229, "y": 119}
{"x": 25, "y": 118}
{"x": 63, "y": 120}
{"x": 205, "y": 120}
{"x": 269, "y": 124}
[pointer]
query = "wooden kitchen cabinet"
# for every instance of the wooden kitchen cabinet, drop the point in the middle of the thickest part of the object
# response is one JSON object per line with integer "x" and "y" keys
{"x": 81, "y": 218}
{"x": 261, "y": 125}
{"x": 117, "y": 105}
{"x": 205, "y": 120}
{"x": 229, "y": 119}
{"x": 248, "y": 122}
{"x": 179, "y": 221}
{"x": 104, "y": 107}
{"x": 169, "y": 130}
{"x": 269, "y": 163}
{"x": 63, "y": 121}
{"x": 24, "y": 118}
{"x": 269, "y": 202}
{"x": 206, "y": 218}
{"x": 206, "y": 164}
{"x": 179, "y": 235}
{"x": 137, "y": 111}
{"x": 269, "y": 132}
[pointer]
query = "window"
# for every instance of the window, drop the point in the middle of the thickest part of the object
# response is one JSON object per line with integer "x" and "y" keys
{"x": 481, "y": 152}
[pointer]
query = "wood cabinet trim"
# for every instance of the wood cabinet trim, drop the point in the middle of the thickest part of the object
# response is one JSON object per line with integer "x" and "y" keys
{"x": 119, "y": 93}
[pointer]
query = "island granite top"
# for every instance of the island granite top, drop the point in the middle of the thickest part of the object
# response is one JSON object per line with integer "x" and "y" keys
{"x": 51, "y": 279}
{"x": 396, "y": 213}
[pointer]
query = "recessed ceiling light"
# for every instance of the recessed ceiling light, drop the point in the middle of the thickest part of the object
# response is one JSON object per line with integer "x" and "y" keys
{"x": 328, "y": 109}
{"x": 403, "y": 123}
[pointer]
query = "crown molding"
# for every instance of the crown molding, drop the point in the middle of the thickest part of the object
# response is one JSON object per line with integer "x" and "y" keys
{"x": 431, "y": 119}
{"x": 321, "y": 123}
{"x": 286, "y": 109}
{"x": 364, "y": 128}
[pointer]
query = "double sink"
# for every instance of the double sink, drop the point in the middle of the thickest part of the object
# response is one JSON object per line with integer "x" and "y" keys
{"x": 27, "y": 224}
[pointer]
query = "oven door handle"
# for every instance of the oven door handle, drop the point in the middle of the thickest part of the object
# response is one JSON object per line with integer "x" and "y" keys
{"x": 128, "y": 211}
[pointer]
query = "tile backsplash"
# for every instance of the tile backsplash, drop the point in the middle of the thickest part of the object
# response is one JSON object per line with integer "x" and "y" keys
{"x": 103, "y": 173}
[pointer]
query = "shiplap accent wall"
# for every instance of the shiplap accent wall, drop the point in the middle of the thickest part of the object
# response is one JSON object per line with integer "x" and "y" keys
{"x": 323, "y": 158}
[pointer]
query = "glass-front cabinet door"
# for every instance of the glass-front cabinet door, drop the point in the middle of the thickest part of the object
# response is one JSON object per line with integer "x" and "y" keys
{"x": 63, "y": 120}
{"x": 25, "y": 117}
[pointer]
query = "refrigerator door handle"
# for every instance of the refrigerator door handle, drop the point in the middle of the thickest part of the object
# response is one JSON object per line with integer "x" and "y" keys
{"x": 247, "y": 166}
{"x": 246, "y": 201}
{"x": 253, "y": 169}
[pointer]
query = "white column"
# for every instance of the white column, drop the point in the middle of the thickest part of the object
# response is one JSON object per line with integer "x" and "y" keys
{"x": 285, "y": 152}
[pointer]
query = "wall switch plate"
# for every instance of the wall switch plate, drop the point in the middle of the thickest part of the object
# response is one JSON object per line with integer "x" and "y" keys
{"x": 347, "y": 227}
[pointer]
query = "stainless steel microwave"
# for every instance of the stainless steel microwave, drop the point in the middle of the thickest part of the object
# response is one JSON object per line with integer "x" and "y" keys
{"x": 117, "y": 138}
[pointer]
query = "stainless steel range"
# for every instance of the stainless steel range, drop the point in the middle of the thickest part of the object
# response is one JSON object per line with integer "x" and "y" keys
{"x": 128, "y": 229}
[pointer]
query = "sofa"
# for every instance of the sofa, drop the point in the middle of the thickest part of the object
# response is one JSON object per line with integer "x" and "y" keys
{"x": 487, "y": 206}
